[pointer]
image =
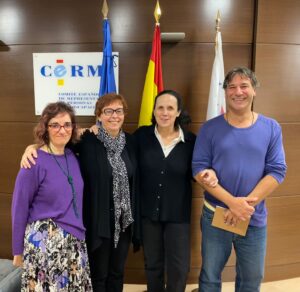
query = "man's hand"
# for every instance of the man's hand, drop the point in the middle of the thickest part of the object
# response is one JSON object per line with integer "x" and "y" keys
{"x": 29, "y": 156}
{"x": 18, "y": 261}
{"x": 241, "y": 207}
{"x": 208, "y": 177}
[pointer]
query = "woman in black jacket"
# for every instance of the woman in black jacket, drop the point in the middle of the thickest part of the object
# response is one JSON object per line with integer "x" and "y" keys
{"x": 110, "y": 207}
{"x": 164, "y": 154}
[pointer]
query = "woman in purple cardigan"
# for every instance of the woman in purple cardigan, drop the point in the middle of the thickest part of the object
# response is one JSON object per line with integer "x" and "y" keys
{"x": 48, "y": 233}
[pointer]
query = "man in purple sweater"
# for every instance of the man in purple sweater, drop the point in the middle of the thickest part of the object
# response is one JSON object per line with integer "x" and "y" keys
{"x": 245, "y": 150}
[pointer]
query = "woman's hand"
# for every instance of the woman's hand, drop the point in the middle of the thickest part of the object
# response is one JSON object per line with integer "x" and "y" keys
{"x": 208, "y": 177}
{"x": 80, "y": 132}
{"x": 18, "y": 261}
{"x": 29, "y": 156}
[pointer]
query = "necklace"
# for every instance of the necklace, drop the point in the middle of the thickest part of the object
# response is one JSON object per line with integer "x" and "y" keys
{"x": 70, "y": 179}
{"x": 252, "y": 120}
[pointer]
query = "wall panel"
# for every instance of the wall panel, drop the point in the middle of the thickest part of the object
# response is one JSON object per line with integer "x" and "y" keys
{"x": 278, "y": 69}
{"x": 13, "y": 138}
{"x": 75, "y": 21}
{"x": 291, "y": 140}
{"x": 284, "y": 222}
{"x": 5, "y": 229}
{"x": 278, "y": 22}
{"x": 277, "y": 55}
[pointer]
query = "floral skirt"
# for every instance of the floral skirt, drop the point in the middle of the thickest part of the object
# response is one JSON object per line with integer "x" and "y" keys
{"x": 54, "y": 260}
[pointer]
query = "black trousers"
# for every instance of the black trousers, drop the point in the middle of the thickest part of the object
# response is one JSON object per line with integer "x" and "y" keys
{"x": 166, "y": 245}
{"x": 107, "y": 264}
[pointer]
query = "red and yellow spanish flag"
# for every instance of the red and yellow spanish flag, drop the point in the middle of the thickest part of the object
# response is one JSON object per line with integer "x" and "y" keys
{"x": 154, "y": 81}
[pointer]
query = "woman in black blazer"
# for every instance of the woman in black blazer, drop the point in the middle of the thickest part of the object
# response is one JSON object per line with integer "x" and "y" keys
{"x": 110, "y": 206}
{"x": 164, "y": 154}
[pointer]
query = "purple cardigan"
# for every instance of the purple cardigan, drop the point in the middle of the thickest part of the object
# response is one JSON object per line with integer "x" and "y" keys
{"x": 43, "y": 192}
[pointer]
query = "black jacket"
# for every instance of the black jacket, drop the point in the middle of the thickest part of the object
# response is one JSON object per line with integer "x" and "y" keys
{"x": 165, "y": 183}
{"x": 96, "y": 173}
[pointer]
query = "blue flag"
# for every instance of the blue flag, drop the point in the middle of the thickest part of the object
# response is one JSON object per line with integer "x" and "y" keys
{"x": 107, "y": 83}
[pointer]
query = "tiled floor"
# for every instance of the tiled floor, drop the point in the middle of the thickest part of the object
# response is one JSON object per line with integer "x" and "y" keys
{"x": 290, "y": 285}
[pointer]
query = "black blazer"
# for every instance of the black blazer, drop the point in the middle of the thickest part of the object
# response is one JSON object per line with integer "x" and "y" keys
{"x": 96, "y": 173}
{"x": 165, "y": 183}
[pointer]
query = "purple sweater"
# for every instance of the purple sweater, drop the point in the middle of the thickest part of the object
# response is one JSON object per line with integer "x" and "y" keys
{"x": 43, "y": 192}
{"x": 241, "y": 157}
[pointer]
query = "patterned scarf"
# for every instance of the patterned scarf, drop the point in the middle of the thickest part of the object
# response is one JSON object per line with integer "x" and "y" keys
{"x": 121, "y": 193}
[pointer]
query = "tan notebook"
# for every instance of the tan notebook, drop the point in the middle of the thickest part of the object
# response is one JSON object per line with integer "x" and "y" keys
{"x": 218, "y": 221}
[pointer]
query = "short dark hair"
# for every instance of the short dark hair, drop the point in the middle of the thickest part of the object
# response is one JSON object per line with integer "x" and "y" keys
{"x": 242, "y": 72}
{"x": 106, "y": 100}
{"x": 50, "y": 111}
{"x": 183, "y": 119}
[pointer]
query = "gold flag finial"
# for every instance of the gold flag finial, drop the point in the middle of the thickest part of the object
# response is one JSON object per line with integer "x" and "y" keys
{"x": 218, "y": 20}
{"x": 157, "y": 12}
{"x": 104, "y": 9}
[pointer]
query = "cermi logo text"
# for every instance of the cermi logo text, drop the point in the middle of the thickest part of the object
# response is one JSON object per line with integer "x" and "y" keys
{"x": 60, "y": 71}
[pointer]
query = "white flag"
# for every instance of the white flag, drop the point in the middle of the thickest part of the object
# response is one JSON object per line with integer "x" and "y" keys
{"x": 216, "y": 101}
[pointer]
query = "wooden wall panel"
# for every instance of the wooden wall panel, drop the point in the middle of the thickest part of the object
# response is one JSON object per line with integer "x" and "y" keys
{"x": 291, "y": 140}
{"x": 277, "y": 53}
{"x": 74, "y": 21}
{"x": 278, "y": 22}
{"x": 13, "y": 138}
{"x": 278, "y": 69}
{"x": 5, "y": 229}
{"x": 283, "y": 235}
{"x": 44, "y": 22}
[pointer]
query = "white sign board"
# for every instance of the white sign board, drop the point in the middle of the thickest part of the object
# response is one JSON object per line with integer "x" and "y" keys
{"x": 70, "y": 77}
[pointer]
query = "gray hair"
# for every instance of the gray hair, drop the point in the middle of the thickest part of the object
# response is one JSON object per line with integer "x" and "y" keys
{"x": 243, "y": 72}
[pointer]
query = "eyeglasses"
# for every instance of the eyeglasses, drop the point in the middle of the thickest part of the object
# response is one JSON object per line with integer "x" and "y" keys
{"x": 68, "y": 126}
{"x": 109, "y": 111}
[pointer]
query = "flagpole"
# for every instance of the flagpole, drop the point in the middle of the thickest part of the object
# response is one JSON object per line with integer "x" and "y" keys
{"x": 107, "y": 81}
{"x": 153, "y": 81}
{"x": 216, "y": 101}
{"x": 218, "y": 20}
